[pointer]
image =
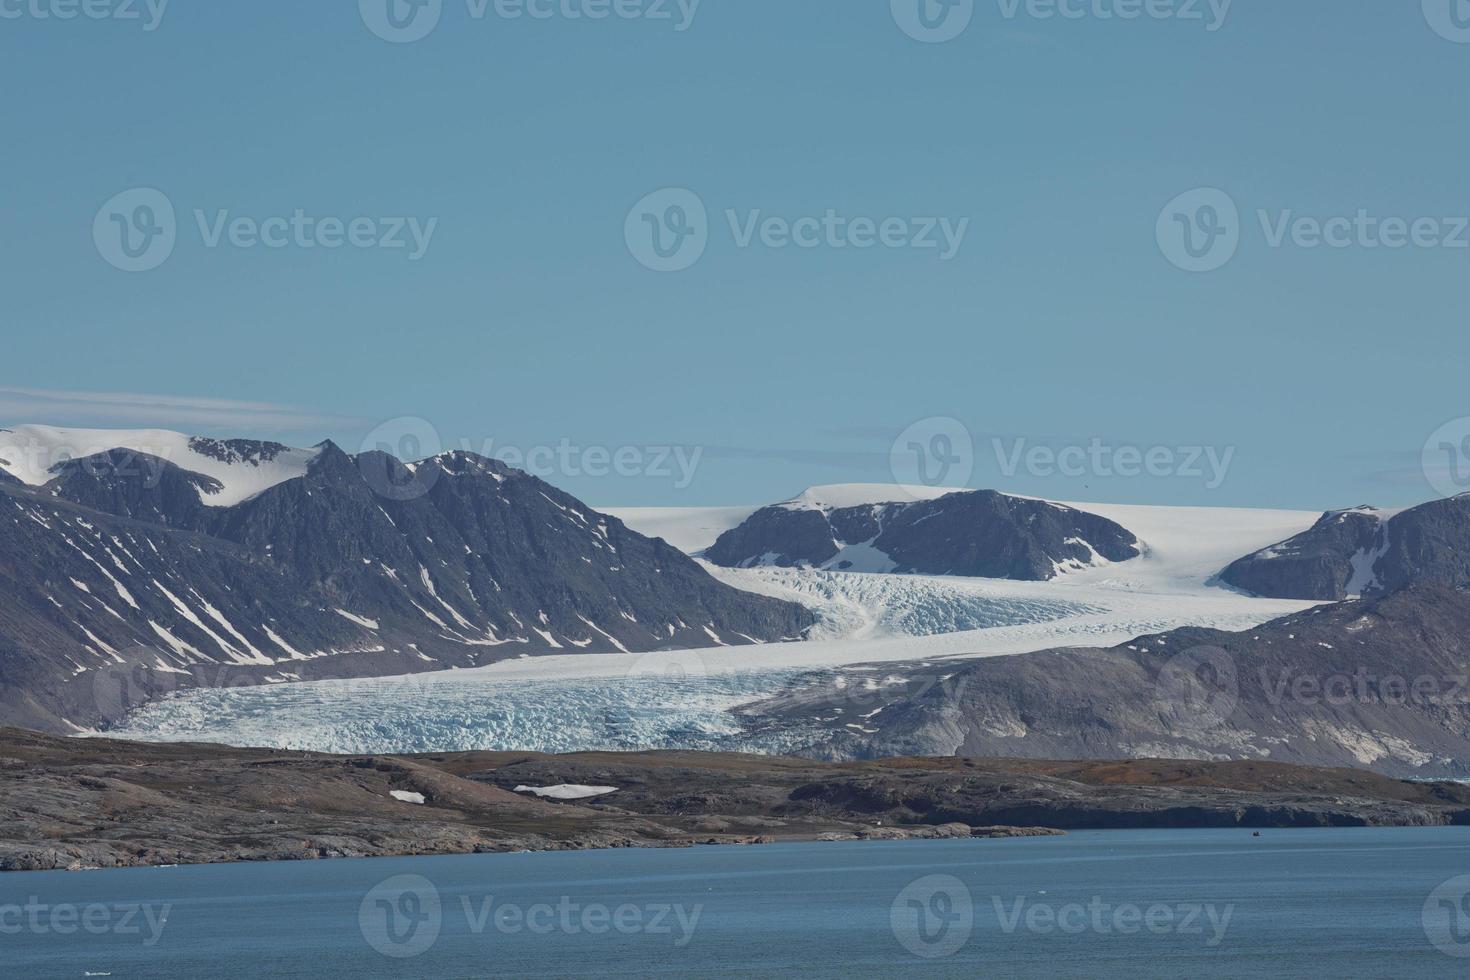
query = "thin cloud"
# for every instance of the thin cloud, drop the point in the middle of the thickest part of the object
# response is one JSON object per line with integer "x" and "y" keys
{"x": 111, "y": 409}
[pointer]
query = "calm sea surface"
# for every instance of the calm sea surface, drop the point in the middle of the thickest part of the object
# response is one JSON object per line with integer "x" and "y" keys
{"x": 1131, "y": 904}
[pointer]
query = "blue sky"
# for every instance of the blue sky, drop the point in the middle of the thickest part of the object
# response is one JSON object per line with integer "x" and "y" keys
{"x": 528, "y": 321}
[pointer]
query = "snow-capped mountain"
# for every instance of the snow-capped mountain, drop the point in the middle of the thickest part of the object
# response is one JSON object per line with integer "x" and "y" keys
{"x": 225, "y": 472}
{"x": 126, "y": 575}
{"x": 978, "y": 533}
{"x": 1363, "y": 551}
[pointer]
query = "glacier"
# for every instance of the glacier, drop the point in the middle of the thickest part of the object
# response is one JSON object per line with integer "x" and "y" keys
{"x": 688, "y": 699}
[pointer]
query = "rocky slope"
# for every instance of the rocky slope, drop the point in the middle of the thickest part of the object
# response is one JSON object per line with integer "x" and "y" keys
{"x": 1382, "y": 683}
{"x": 1363, "y": 551}
{"x": 981, "y": 533}
{"x": 126, "y": 577}
{"x": 74, "y": 803}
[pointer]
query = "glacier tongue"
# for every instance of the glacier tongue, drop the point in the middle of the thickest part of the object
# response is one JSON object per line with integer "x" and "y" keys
{"x": 408, "y": 715}
{"x": 662, "y": 700}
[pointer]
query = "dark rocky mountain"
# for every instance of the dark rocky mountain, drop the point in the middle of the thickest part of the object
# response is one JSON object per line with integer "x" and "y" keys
{"x": 1363, "y": 551}
{"x": 981, "y": 533}
{"x": 122, "y": 584}
{"x": 1381, "y": 683}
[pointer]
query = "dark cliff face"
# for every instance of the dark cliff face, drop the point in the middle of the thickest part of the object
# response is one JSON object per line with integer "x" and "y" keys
{"x": 982, "y": 534}
{"x": 1380, "y": 683}
{"x": 777, "y": 536}
{"x": 121, "y": 585}
{"x": 1363, "y": 552}
{"x": 131, "y": 484}
{"x": 1316, "y": 564}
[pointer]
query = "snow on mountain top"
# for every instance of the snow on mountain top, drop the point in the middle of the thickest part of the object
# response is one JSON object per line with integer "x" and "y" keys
{"x": 840, "y": 495}
{"x": 30, "y": 453}
{"x": 1382, "y": 514}
{"x": 1184, "y": 547}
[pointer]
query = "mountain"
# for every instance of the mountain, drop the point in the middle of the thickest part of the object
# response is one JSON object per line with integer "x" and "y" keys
{"x": 1363, "y": 551}
{"x": 1381, "y": 683}
{"x": 128, "y": 575}
{"x": 970, "y": 533}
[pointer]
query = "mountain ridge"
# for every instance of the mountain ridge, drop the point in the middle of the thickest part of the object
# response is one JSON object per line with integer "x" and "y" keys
{"x": 127, "y": 585}
{"x": 975, "y": 533}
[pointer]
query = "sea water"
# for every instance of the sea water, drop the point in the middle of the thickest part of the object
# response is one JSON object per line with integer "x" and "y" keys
{"x": 1122, "y": 904}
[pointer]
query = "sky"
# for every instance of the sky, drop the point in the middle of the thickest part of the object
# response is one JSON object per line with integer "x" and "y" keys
{"x": 1157, "y": 258}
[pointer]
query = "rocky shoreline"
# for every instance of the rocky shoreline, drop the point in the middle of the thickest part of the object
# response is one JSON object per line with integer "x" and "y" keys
{"x": 97, "y": 803}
